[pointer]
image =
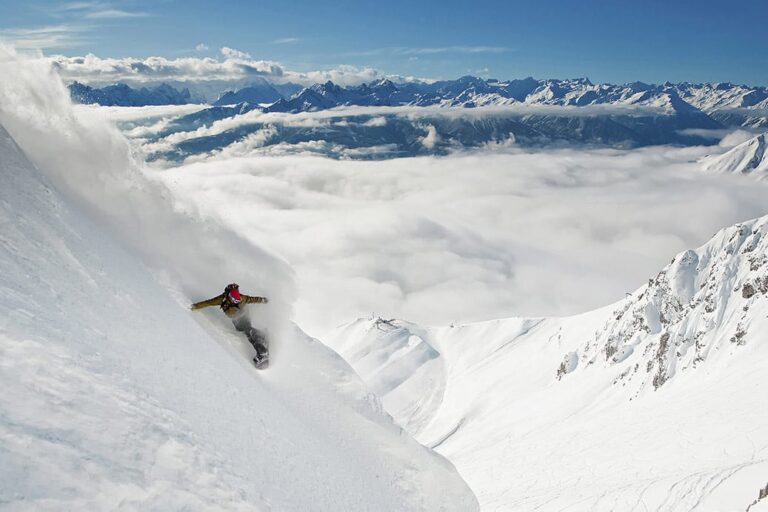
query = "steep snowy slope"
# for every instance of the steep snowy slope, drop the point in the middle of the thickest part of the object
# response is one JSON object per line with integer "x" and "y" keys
{"x": 652, "y": 403}
{"x": 399, "y": 364}
{"x": 749, "y": 157}
{"x": 116, "y": 397}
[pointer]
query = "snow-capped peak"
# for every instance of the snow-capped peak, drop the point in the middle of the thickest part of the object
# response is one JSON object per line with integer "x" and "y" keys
{"x": 749, "y": 157}
{"x": 698, "y": 307}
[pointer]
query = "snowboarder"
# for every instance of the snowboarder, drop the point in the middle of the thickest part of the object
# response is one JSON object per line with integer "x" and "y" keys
{"x": 231, "y": 302}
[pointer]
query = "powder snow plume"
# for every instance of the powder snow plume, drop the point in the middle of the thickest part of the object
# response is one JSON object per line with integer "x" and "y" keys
{"x": 115, "y": 396}
{"x": 90, "y": 161}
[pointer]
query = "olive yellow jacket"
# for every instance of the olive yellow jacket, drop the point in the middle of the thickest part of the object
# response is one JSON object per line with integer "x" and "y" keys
{"x": 231, "y": 310}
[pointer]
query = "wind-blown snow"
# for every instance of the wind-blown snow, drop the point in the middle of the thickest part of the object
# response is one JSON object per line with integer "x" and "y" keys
{"x": 116, "y": 397}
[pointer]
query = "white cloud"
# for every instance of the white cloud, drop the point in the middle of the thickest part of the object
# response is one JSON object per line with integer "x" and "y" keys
{"x": 376, "y": 121}
{"x": 231, "y": 53}
{"x": 91, "y": 68}
{"x": 48, "y": 37}
{"x": 734, "y": 138}
{"x": 430, "y": 50}
{"x": 80, "y": 18}
{"x": 76, "y": 6}
{"x": 201, "y": 48}
{"x": 124, "y": 114}
{"x": 286, "y": 40}
{"x": 377, "y": 116}
{"x": 114, "y": 14}
{"x": 342, "y": 75}
{"x": 471, "y": 236}
{"x": 248, "y": 144}
{"x": 431, "y": 138}
{"x": 235, "y": 66}
{"x": 457, "y": 49}
{"x": 97, "y": 10}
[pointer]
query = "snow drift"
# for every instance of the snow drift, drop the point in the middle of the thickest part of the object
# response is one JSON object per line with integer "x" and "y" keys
{"x": 652, "y": 403}
{"x": 115, "y": 396}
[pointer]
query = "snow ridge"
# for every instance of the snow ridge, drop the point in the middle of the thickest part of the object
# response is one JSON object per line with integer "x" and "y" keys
{"x": 697, "y": 308}
{"x": 403, "y": 368}
{"x": 749, "y": 157}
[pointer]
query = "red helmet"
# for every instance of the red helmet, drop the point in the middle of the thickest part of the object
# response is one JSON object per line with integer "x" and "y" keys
{"x": 233, "y": 293}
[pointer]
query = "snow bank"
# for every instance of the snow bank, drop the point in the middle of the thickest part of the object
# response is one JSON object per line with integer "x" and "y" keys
{"x": 116, "y": 397}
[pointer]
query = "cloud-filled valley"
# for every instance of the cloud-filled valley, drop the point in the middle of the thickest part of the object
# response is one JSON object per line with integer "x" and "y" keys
{"x": 471, "y": 236}
{"x": 474, "y": 221}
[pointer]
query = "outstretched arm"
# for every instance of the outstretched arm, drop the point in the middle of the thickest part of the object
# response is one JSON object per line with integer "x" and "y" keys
{"x": 215, "y": 301}
{"x": 248, "y": 299}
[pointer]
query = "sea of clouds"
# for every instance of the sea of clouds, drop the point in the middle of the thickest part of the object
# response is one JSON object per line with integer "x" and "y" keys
{"x": 472, "y": 236}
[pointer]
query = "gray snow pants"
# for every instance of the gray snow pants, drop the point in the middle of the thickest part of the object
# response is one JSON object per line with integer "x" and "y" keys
{"x": 243, "y": 324}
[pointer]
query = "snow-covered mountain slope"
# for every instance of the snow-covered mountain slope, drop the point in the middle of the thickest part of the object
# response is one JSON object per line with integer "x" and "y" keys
{"x": 652, "y": 403}
{"x": 126, "y": 96}
{"x": 712, "y": 97}
{"x": 749, "y": 157}
{"x": 399, "y": 364}
{"x": 258, "y": 91}
{"x": 117, "y": 397}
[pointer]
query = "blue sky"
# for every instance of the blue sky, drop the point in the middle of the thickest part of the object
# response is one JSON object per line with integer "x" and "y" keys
{"x": 608, "y": 41}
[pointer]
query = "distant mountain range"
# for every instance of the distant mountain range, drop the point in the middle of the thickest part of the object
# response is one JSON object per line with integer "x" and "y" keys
{"x": 384, "y": 119}
{"x": 467, "y": 91}
{"x": 258, "y": 92}
{"x": 126, "y": 96}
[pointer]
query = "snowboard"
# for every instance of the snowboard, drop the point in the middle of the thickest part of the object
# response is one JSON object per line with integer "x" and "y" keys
{"x": 263, "y": 363}
{"x": 255, "y": 337}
